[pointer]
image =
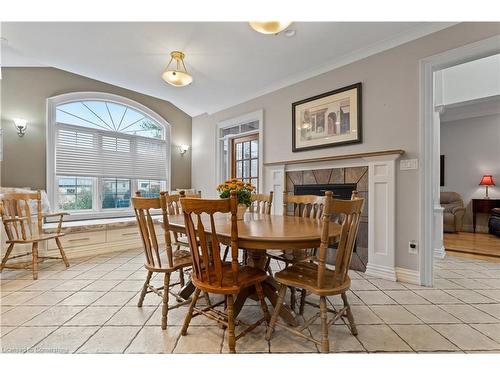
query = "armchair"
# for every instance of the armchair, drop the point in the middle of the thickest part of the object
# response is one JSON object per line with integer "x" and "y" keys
{"x": 453, "y": 213}
{"x": 22, "y": 217}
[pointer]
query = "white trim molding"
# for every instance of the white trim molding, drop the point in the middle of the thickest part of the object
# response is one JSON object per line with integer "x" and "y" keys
{"x": 429, "y": 149}
{"x": 382, "y": 216}
{"x": 406, "y": 275}
{"x": 439, "y": 251}
{"x": 381, "y": 204}
{"x": 51, "y": 106}
{"x": 235, "y": 121}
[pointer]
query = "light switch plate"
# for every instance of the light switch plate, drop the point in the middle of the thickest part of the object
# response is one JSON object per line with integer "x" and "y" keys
{"x": 408, "y": 164}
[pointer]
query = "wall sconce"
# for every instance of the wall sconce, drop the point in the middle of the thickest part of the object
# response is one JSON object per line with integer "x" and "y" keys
{"x": 21, "y": 126}
{"x": 183, "y": 149}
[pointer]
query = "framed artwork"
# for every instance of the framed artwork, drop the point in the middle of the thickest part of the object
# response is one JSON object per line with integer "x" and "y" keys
{"x": 327, "y": 120}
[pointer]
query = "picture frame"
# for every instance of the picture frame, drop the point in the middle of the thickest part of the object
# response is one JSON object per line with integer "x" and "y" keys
{"x": 327, "y": 120}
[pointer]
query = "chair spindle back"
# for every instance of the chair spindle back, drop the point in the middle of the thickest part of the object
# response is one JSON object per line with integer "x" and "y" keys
{"x": 262, "y": 203}
{"x": 142, "y": 208}
{"x": 310, "y": 206}
{"x": 202, "y": 237}
{"x": 17, "y": 216}
{"x": 349, "y": 214}
{"x": 174, "y": 201}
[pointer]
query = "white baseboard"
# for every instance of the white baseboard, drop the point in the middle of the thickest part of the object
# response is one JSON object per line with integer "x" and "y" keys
{"x": 440, "y": 253}
{"x": 405, "y": 275}
{"x": 382, "y": 272}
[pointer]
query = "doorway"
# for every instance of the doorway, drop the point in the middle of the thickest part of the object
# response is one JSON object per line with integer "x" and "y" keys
{"x": 431, "y": 213}
{"x": 245, "y": 159}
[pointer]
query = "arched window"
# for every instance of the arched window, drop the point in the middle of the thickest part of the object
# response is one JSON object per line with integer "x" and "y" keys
{"x": 101, "y": 149}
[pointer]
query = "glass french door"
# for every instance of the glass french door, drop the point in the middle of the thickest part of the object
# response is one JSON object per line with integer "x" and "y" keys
{"x": 245, "y": 159}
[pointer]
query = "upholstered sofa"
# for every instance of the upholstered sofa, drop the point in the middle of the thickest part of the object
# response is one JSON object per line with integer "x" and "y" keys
{"x": 454, "y": 211}
{"x": 494, "y": 222}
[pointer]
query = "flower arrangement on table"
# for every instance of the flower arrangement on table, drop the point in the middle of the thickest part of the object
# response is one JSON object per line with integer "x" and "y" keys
{"x": 243, "y": 192}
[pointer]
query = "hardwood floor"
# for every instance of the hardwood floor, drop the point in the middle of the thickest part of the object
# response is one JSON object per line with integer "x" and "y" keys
{"x": 473, "y": 243}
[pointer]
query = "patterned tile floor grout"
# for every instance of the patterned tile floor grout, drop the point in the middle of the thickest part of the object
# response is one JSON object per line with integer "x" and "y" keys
{"x": 91, "y": 307}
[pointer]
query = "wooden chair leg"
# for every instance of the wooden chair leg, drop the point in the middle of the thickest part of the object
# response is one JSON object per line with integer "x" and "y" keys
{"x": 230, "y": 324}
{"x": 226, "y": 252}
{"x": 293, "y": 298}
{"x": 61, "y": 250}
{"x": 189, "y": 315}
{"x": 303, "y": 294}
{"x": 350, "y": 317}
{"x": 207, "y": 299}
{"x": 144, "y": 289}
{"x": 164, "y": 309}
{"x": 181, "y": 278}
{"x": 6, "y": 257}
{"x": 325, "y": 344}
{"x": 263, "y": 304}
{"x": 276, "y": 312}
{"x": 267, "y": 267}
{"x": 34, "y": 250}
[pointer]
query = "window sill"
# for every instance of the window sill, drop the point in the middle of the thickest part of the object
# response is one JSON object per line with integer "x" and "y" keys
{"x": 94, "y": 224}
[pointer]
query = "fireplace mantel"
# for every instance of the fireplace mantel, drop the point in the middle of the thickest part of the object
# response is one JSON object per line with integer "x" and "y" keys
{"x": 381, "y": 199}
{"x": 361, "y": 155}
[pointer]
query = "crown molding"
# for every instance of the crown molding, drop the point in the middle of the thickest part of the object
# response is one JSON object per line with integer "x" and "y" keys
{"x": 413, "y": 34}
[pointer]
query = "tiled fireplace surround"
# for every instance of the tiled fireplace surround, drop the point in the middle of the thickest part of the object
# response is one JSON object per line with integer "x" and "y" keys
{"x": 357, "y": 175}
{"x": 375, "y": 175}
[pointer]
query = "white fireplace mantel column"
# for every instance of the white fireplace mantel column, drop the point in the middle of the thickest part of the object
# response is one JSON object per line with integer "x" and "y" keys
{"x": 382, "y": 216}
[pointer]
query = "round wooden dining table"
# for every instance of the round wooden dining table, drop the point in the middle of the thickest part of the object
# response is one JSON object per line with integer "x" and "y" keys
{"x": 258, "y": 233}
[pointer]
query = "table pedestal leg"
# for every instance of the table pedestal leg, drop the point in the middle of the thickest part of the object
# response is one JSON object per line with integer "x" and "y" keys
{"x": 187, "y": 290}
{"x": 257, "y": 258}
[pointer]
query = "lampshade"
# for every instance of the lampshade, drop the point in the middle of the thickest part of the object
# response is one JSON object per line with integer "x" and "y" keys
{"x": 269, "y": 27}
{"x": 487, "y": 180}
{"x": 177, "y": 75}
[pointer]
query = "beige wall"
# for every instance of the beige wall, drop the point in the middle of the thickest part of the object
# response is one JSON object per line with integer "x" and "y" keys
{"x": 390, "y": 118}
{"x": 471, "y": 148}
{"x": 24, "y": 94}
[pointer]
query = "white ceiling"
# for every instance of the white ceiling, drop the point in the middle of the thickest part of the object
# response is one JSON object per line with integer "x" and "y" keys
{"x": 229, "y": 61}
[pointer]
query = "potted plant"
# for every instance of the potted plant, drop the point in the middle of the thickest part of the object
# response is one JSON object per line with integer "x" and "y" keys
{"x": 243, "y": 192}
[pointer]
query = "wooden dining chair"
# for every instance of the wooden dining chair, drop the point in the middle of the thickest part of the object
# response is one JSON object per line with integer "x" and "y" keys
{"x": 174, "y": 208}
{"x": 309, "y": 206}
{"x": 317, "y": 278}
{"x": 261, "y": 204}
{"x": 163, "y": 261}
{"x": 23, "y": 226}
{"x": 210, "y": 273}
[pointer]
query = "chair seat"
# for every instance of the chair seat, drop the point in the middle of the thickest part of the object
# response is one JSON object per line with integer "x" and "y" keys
{"x": 247, "y": 276}
{"x": 43, "y": 237}
{"x": 304, "y": 275}
{"x": 181, "y": 259}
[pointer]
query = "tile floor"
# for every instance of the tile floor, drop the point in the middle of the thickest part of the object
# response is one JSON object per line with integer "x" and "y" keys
{"x": 91, "y": 308}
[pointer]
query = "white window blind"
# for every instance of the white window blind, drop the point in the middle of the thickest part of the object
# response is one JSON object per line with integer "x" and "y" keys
{"x": 82, "y": 151}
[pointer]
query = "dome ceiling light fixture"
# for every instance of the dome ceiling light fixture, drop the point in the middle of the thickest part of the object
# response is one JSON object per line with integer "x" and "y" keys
{"x": 177, "y": 75}
{"x": 269, "y": 27}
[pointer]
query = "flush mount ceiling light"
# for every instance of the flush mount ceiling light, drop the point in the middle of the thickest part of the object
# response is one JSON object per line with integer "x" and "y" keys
{"x": 269, "y": 27}
{"x": 177, "y": 75}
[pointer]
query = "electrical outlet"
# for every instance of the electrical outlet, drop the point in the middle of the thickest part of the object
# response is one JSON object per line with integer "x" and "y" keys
{"x": 413, "y": 247}
{"x": 408, "y": 164}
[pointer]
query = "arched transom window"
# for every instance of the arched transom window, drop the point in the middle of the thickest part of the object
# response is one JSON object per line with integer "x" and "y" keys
{"x": 105, "y": 148}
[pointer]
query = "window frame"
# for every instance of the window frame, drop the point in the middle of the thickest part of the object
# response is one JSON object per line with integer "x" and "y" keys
{"x": 51, "y": 177}
{"x": 224, "y": 161}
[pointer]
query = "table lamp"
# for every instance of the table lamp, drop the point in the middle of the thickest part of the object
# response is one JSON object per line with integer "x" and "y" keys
{"x": 487, "y": 180}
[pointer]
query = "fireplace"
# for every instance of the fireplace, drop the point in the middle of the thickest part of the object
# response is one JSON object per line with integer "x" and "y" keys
{"x": 340, "y": 191}
{"x": 341, "y": 181}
